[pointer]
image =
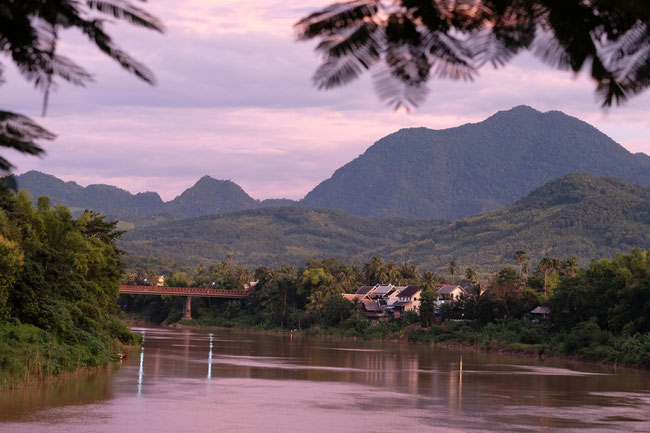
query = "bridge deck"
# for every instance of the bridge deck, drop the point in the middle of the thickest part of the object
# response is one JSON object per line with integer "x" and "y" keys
{"x": 183, "y": 291}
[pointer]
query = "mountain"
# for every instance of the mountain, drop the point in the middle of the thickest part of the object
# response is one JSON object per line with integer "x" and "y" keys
{"x": 578, "y": 214}
{"x": 207, "y": 196}
{"x": 210, "y": 196}
{"x": 456, "y": 172}
{"x": 269, "y": 236}
{"x": 106, "y": 199}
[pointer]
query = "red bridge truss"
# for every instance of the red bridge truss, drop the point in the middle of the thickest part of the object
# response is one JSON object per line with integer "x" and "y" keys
{"x": 188, "y": 292}
{"x": 184, "y": 291}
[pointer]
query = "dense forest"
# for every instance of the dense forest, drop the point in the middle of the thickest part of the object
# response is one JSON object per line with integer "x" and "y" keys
{"x": 59, "y": 280}
{"x": 599, "y": 313}
{"x": 579, "y": 214}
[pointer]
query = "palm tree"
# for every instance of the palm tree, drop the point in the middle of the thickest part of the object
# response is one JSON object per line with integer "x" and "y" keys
{"x": 470, "y": 274}
{"x": 317, "y": 302}
{"x": 406, "y": 43}
{"x": 521, "y": 256}
{"x": 392, "y": 271}
{"x": 453, "y": 268}
{"x": 546, "y": 265}
{"x": 569, "y": 267}
{"x": 429, "y": 280}
{"x": 347, "y": 278}
{"x": 29, "y": 32}
{"x": 374, "y": 270}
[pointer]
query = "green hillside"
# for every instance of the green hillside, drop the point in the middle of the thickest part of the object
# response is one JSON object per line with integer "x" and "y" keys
{"x": 269, "y": 236}
{"x": 108, "y": 200}
{"x": 578, "y": 214}
{"x": 210, "y": 196}
{"x": 456, "y": 172}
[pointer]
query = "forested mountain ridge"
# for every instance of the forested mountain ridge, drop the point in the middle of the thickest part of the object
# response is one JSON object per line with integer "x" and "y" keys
{"x": 269, "y": 236}
{"x": 107, "y": 199}
{"x": 456, "y": 172}
{"x": 578, "y": 214}
{"x": 208, "y": 196}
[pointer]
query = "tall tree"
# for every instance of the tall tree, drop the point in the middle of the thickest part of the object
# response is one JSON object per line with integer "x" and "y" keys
{"x": 429, "y": 280}
{"x": 427, "y": 306}
{"x": 453, "y": 268}
{"x": 470, "y": 274}
{"x": 405, "y": 43}
{"x": 546, "y": 265}
{"x": 521, "y": 256}
{"x": 374, "y": 271}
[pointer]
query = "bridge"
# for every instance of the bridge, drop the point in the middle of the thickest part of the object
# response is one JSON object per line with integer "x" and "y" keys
{"x": 188, "y": 292}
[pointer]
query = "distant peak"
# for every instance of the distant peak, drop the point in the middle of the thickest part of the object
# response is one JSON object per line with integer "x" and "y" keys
{"x": 518, "y": 110}
{"x": 523, "y": 108}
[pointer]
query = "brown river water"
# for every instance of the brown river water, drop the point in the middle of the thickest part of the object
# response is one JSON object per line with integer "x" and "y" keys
{"x": 234, "y": 381}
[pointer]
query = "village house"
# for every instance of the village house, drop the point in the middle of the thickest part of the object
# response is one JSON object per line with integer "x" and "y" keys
{"x": 449, "y": 293}
{"x": 408, "y": 299}
{"x": 363, "y": 293}
{"x": 381, "y": 291}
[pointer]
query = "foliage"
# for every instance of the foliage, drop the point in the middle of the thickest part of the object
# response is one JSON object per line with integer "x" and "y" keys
{"x": 59, "y": 281}
{"x": 599, "y": 313}
{"x": 29, "y": 34}
{"x": 577, "y": 215}
{"x": 269, "y": 236}
{"x": 407, "y": 42}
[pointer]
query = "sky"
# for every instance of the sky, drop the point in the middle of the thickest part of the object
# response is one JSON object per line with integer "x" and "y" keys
{"x": 234, "y": 100}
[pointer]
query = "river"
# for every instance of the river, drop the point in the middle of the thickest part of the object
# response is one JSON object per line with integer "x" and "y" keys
{"x": 234, "y": 381}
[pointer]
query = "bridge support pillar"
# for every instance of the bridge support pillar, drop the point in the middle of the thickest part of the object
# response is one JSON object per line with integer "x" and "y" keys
{"x": 187, "y": 311}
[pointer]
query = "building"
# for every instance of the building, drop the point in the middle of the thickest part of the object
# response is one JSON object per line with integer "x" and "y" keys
{"x": 449, "y": 292}
{"x": 408, "y": 299}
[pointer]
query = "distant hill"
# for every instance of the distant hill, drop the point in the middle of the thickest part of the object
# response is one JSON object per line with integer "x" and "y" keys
{"x": 210, "y": 196}
{"x": 578, "y": 214}
{"x": 207, "y": 196}
{"x": 269, "y": 236}
{"x": 456, "y": 172}
{"x": 106, "y": 199}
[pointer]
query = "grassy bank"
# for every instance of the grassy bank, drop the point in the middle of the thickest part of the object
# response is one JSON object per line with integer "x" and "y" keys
{"x": 29, "y": 354}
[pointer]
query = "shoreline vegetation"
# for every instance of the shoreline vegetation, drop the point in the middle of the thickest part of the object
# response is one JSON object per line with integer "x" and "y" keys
{"x": 59, "y": 279}
{"x": 455, "y": 337}
{"x": 600, "y": 313}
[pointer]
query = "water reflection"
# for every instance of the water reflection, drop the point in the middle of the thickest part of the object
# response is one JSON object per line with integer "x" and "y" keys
{"x": 293, "y": 383}
{"x": 210, "y": 359}
{"x": 141, "y": 370}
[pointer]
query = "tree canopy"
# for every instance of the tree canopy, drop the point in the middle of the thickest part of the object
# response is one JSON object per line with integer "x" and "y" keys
{"x": 405, "y": 43}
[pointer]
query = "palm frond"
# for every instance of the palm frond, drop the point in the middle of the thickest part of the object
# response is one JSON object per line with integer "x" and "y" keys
{"x": 124, "y": 10}
{"x": 396, "y": 93}
{"x": 20, "y": 133}
{"x": 452, "y": 59}
{"x": 347, "y": 56}
{"x": 94, "y": 31}
{"x": 336, "y": 17}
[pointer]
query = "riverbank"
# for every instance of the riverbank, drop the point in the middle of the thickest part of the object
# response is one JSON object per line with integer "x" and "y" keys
{"x": 30, "y": 355}
{"x": 523, "y": 338}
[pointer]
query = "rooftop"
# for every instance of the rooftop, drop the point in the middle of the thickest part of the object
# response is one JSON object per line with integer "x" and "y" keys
{"x": 409, "y": 291}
